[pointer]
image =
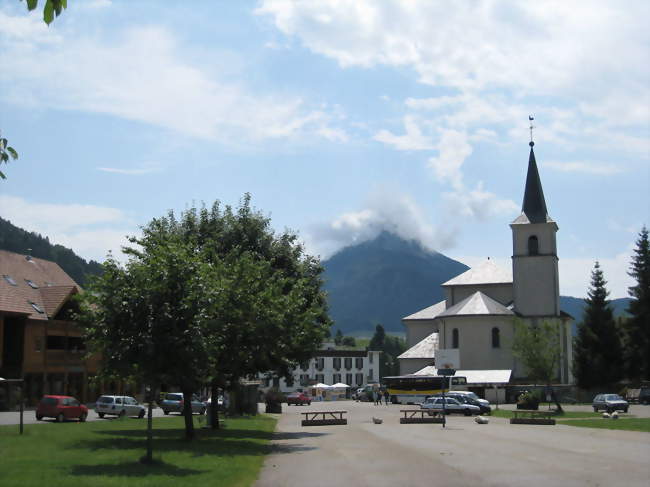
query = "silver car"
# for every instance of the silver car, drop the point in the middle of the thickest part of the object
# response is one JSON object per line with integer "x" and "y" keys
{"x": 119, "y": 406}
{"x": 610, "y": 403}
{"x": 451, "y": 405}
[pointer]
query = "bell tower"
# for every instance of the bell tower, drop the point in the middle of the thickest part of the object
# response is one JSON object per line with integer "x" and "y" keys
{"x": 535, "y": 277}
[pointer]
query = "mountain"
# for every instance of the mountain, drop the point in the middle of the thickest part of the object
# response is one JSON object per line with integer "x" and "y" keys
{"x": 15, "y": 239}
{"x": 383, "y": 280}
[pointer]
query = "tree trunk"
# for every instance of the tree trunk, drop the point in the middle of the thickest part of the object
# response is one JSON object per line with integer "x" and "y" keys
{"x": 149, "y": 430}
{"x": 214, "y": 406}
{"x": 187, "y": 412}
{"x": 554, "y": 398}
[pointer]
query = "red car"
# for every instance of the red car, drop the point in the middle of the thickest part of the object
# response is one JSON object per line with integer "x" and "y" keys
{"x": 298, "y": 398}
{"x": 61, "y": 408}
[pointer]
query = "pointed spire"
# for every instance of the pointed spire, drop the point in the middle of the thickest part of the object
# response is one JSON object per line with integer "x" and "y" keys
{"x": 534, "y": 205}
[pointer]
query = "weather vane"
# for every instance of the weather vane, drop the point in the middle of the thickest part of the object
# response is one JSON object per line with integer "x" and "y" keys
{"x": 530, "y": 119}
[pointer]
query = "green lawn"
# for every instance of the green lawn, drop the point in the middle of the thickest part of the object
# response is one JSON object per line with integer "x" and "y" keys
{"x": 106, "y": 453}
{"x": 627, "y": 424}
{"x": 504, "y": 413}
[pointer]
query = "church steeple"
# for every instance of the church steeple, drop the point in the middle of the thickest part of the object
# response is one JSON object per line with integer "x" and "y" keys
{"x": 534, "y": 206}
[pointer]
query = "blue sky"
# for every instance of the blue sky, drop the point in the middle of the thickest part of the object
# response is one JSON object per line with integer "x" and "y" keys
{"x": 341, "y": 118}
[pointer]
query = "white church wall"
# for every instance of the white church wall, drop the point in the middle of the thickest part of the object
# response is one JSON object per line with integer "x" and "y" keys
{"x": 536, "y": 289}
{"x": 412, "y": 365}
{"x": 418, "y": 330}
{"x": 544, "y": 232}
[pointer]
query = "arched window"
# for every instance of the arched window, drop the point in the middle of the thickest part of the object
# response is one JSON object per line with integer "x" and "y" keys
{"x": 533, "y": 245}
{"x": 496, "y": 339}
{"x": 454, "y": 338}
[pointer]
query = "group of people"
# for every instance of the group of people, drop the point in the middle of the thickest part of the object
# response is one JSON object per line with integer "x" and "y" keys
{"x": 377, "y": 395}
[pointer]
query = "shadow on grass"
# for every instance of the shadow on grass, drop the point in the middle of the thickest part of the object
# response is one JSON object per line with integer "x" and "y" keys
{"x": 133, "y": 469}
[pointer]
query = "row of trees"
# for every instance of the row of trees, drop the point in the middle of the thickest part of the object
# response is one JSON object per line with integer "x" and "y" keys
{"x": 210, "y": 297}
{"x": 391, "y": 347}
{"x": 608, "y": 350}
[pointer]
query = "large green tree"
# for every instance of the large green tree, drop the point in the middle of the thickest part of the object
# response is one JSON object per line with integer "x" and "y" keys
{"x": 537, "y": 346}
{"x": 391, "y": 347}
{"x": 636, "y": 329}
{"x": 597, "y": 348}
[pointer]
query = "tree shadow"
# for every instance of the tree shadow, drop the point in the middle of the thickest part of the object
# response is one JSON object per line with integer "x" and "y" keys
{"x": 133, "y": 469}
{"x": 295, "y": 435}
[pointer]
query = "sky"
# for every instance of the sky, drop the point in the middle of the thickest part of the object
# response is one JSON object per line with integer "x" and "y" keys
{"x": 342, "y": 118}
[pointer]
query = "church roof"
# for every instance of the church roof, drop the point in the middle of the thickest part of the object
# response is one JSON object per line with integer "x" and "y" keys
{"x": 428, "y": 313}
{"x": 485, "y": 273}
{"x": 477, "y": 304}
{"x": 499, "y": 376}
{"x": 533, "y": 209}
{"x": 423, "y": 349}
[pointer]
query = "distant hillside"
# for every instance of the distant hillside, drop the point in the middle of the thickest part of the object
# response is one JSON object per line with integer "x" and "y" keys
{"x": 18, "y": 240}
{"x": 383, "y": 280}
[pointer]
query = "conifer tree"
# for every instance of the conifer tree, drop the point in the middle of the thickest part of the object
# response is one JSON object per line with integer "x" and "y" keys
{"x": 637, "y": 327}
{"x": 597, "y": 349}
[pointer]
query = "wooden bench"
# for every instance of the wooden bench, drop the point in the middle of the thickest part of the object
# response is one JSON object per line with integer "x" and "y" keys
{"x": 323, "y": 418}
{"x": 531, "y": 416}
{"x": 420, "y": 416}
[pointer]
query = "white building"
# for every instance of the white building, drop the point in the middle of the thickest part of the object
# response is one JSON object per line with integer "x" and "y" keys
{"x": 480, "y": 307}
{"x": 330, "y": 366}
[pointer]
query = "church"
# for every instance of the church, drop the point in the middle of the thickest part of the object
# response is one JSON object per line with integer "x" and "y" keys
{"x": 477, "y": 316}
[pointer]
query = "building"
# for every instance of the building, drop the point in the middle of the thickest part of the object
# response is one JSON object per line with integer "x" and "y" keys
{"x": 478, "y": 313}
{"x": 39, "y": 342}
{"x": 330, "y": 366}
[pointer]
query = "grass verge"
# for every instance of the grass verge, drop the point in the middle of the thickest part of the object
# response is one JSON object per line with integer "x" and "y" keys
{"x": 106, "y": 453}
{"x": 626, "y": 424}
{"x": 504, "y": 413}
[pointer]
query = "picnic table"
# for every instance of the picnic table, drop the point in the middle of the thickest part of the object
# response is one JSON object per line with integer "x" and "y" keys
{"x": 411, "y": 416}
{"x": 323, "y": 418}
{"x": 532, "y": 416}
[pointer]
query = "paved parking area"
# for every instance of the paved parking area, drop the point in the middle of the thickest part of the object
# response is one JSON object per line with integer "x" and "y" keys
{"x": 13, "y": 417}
{"x": 463, "y": 454}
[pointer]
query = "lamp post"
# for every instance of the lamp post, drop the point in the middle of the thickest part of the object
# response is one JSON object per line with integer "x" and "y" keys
{"x": 446, "y": 374}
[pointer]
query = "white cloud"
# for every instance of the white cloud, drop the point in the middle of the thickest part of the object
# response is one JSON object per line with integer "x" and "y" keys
{"x": 453, "y": 149}
{"x": 583, "y": 167}
{"x": 412, "y": 140}
{"x": 575, "y": 275}
{"x": 145, "y": 74}
{"x": 477, "y": 203}
{"x": 89, "y": 230}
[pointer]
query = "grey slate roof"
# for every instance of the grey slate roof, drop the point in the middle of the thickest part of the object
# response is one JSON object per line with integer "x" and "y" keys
{"x": 485, "y": 273}
{"x": 428, "y": 313}
{"x": 499, "y": 376}
{"x": 477, "y": 304}
{"x": 423, "y": 349}
{"x": 533, "y": 209}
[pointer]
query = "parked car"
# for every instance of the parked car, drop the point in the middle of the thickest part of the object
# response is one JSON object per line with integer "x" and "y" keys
{"x": 473, "y": 396}
{"x": 610, "y": 403}
{"x": 119, "y": 406}
{"x": 61, "y": 408}
{"x": 298, "y": 398}
{"x": 644, "y": 395}
{"x": 173, "y": 403}
{"x": 451, "y": 405}
{"x": 467, "y": 399}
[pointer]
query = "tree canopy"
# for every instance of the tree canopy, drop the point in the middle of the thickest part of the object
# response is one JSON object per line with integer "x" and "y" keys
{"x": 597, "y": 348}
{"x": 214, "y": 295}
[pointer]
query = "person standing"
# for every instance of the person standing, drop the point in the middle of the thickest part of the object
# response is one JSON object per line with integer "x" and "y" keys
{"x": 379, "y": 397}
{"x": 386, "y": 396}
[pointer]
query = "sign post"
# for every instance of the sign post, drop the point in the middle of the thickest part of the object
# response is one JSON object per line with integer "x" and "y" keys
{"x": 446, "y": 373}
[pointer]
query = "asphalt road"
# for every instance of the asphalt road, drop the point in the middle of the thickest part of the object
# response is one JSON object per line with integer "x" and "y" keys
{"x": 463, "y": 454}
{"x": 29, "y": 417}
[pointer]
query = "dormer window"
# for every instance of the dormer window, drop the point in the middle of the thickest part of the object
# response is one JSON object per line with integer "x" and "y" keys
{"x": 533, "y": 245}
{"x": 36, "y": 307}
{"x": 31, "y": 284}
{"x": 9, "y": 279}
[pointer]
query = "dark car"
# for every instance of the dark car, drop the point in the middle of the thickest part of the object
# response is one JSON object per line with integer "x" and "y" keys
{"x": 465, "y": 399}
{"x": 644, "y": 395}
{"x": 61, "y": 408}
{"x": 298, "y": 398}
{"x": 173, "y": 402}
{"x": 610, "y": 403}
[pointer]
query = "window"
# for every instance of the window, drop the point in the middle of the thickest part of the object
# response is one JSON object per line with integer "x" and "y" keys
{"x": 370, "y": 356}
{"x": 336, "y": 378}
{"x": 55, "y": 342}
{"x": 371, "y": 375}
{"x": 320, "y": 378}
{"x": 359, "y": 379}
{"x": 304, "y": 379}
{"x": 76, "y": 344}
{"x": 496, "y": 339}
{"x": 348, "y": 363}
{"x": 289, "y": 381}
{"x": 320, "y": 363}
{"x": 9, "y": 279}
{"x": 276, "y": 382}
{"x": 359, "y": 363}
{"x": 36, "y": 307}
{"x": 304, "y": 366}
{"x": 337, "y": 363}
{"x": 533, "y": 245}
{"x": 38, "y": 344}
{"x": 348, "y": 379}
{"x": 454, "y": 338}
{"x": 31, "y": 284}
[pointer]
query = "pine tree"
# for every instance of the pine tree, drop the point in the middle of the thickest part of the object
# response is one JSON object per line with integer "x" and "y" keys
{"x": 597, "y": 348}
{"x": 637, "y": 327}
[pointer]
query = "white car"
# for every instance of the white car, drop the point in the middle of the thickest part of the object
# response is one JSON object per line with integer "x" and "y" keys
{"x": 119, "y": 406}
{"x": 473, "y": 396}
{"x": 451, "y": 405}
